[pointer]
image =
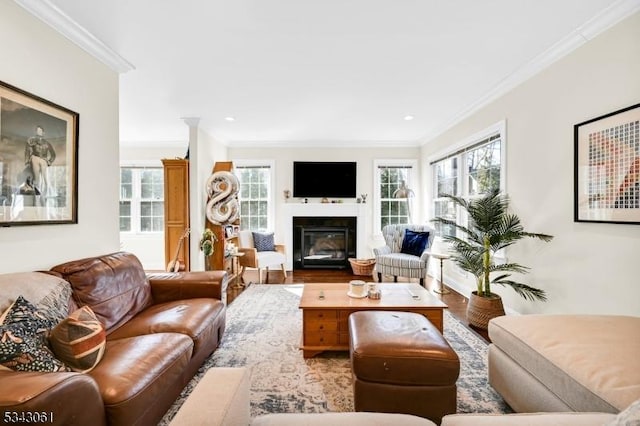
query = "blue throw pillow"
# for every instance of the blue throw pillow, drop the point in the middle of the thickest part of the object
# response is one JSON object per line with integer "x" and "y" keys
{"x": 263, "y": 241}
{"x": 414, "y": 242}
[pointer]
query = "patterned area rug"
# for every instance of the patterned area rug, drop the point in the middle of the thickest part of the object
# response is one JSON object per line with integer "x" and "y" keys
{"x": 263, "y": 334}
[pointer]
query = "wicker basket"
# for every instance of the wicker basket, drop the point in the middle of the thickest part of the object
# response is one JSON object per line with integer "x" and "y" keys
{"x": 481, "y": 310}
{"x": 362, "y": 266}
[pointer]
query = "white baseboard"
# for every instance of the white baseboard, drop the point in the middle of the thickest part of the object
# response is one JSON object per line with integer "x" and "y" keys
{"x": 465, "y": 290}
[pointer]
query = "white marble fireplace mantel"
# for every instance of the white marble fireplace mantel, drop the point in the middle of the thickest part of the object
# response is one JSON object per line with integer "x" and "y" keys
{"x": 358, "y": 210}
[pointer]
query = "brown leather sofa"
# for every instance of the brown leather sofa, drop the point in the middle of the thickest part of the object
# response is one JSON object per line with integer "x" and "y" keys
{"x": 160, "y": 328}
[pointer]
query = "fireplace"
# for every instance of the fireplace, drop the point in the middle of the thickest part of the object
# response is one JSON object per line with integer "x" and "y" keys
{"x": 323, "y": 242}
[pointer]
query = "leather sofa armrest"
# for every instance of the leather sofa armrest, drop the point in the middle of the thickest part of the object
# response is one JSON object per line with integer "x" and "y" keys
{"x": 169, "y": 286}
{"x": 51, "y": 398}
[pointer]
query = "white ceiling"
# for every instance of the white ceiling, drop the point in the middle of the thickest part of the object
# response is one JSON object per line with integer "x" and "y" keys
{"x": 326, "y": 72}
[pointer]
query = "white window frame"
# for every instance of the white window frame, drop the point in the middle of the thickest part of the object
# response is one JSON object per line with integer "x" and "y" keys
{"x": 136, "y": 197}
{"x": 270, "y": 190}
{"x": 413, "y": 183}
{"x": 463, "y": 177}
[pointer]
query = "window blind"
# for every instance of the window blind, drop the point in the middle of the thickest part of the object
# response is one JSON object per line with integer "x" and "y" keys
{"x": 468, "y": 148}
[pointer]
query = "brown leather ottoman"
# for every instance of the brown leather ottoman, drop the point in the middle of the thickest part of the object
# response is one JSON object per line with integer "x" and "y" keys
{"x": 401, "y": 364}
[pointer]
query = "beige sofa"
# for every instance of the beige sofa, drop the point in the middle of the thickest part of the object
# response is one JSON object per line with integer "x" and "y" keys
{"x": 566, "y": 370}
{"x": 565, "y": 362}
{"x": 207, "y": 404}
{"x": 386, "y": 419}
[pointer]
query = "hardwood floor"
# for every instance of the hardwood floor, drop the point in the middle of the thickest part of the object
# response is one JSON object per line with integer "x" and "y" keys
{"x": 456, "y": 302}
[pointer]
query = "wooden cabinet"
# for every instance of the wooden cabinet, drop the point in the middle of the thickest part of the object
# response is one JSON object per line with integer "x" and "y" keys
{"x": 176, "y": 210}
{"x": 320, "y": 327}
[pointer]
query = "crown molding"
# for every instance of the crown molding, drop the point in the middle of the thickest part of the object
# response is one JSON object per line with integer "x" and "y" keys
{"x": 324, "y": 144}
{"x": 61, "y": 22}
{"x": 606, "y": 19}
{"x": 609, "y": 17}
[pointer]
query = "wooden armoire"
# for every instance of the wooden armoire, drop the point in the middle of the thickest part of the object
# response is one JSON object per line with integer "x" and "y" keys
{"x": 176, "y": 211}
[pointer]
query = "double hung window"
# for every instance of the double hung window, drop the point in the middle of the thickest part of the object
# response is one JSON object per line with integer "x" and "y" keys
{"x": 470, "y": 171}
{"x": 255, "y": 195}
{"x": 394, "y": 183}
{"x": 141, "y": 199}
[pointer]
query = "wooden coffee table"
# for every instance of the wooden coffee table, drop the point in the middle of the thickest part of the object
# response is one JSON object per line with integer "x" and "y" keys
{"x": 326, "y": 307}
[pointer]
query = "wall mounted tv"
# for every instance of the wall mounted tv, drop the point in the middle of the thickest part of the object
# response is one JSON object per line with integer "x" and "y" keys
{"x": 324, "y": 179}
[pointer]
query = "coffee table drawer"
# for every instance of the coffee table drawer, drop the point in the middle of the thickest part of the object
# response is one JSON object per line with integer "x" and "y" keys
{"x": 320, "y": 314}
{"x": 315, "y": 325}
{"x": 320, "y": 339}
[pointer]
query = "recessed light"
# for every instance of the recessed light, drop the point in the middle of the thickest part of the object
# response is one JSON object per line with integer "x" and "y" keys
{"x": 408, "y": 117}
{"x": 230, "y": 118}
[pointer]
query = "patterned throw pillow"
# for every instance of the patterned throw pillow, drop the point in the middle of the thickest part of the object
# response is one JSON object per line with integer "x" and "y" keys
{"x": 79, "y": 340}
{"x": 414, "y": 242}
{"x": 263, "y": 241}
{"x": 22, "y": 351}
{"x": 25, "y": 313}
{"x": 23, "y": 340}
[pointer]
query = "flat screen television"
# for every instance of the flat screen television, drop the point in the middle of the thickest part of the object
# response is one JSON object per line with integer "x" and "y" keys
{"x": 329, "y": 179}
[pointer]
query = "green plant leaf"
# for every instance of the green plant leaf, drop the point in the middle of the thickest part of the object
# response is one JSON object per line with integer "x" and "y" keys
{"x": 527, "y": 292}
{"x": 491, "y": 228}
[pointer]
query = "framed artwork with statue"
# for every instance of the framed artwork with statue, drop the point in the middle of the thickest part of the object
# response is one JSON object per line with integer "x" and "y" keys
{"x": 38, "y": 160}
{"x": 607, "y": 168}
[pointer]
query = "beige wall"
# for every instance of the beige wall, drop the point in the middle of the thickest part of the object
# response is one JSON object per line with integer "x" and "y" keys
{"x": 37, "y": 59}
{"x": 204, "y": 152}
{"x": 283, "y": 159}
{"x": 208, "y": 150}
{"x": 153, "y": 153}
{"x": 588, "y": 267}
{"x": 149, "y": 247}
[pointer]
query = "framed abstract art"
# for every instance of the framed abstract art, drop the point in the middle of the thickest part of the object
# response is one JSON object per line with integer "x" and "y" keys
{"x": 607, "y": 168}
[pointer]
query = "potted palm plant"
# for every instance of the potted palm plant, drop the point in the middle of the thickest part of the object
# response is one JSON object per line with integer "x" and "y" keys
{"x": 491, "y": 228}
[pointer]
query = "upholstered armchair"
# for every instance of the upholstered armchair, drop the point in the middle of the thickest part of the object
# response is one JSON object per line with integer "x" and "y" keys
{"x": 405, "y": 253}
{"x": 260, "y": 252}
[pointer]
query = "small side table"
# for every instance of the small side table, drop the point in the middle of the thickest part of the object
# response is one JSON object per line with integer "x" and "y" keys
{"x": 235, "y": 267}
{"x": 442, "y": 257}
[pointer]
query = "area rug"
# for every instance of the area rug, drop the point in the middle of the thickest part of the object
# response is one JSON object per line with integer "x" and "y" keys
{"x": 263, "y": 334}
